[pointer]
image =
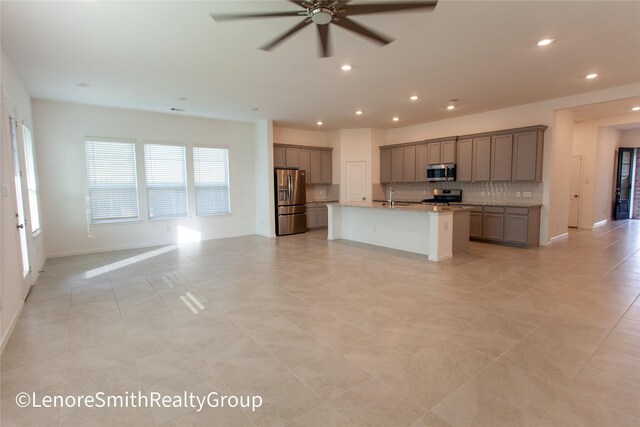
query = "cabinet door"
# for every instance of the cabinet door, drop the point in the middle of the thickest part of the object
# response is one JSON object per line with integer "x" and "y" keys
{"x": 278, "y": 157}
{"x": 527, "y": 156}
{"x": 434, "y": 153}
{"x": 464, "y": 163}
{"x": 305, "y": 163}
{"x": 409, "y": 164}
{"x": 312, "y": 216}
{"x": 385, "y": 165}
{"x": 481, "y": 170}
{"x": 493, "y": 226}
{"x": 315, "y": 166}
{"x": 475, "y": 224}
{"x": 291, "y": 157}
{"x": 501, "y": 160}
{"x": 515, "y": 228}
{"x": 327, "y": 168}
{"x": 422, "y": 162}
{"x": 397, "y": 164}
{"x": 323, "y": 216}
{"x": 448, "y": 152}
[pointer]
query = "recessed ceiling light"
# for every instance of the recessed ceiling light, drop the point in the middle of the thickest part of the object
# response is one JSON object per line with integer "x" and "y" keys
{"x": 359, "y": 112}
{"x": 591, "y": 76}
{"x": 319, "y": 123}
{"x": 346, "y": 67}
{"x": 395, "y": 119}
{"x": 636, "y": 108}
{"x": 414, "y": 98}
{"x": 82, "y": 84}
{"x": 545, "y": 42}
{"x": 451, "y": 107}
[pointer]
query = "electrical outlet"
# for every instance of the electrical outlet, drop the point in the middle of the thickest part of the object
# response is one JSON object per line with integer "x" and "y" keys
{"x": 482, "y": 194}
{"x": 518, "y": 194}
{"x": 424, "y": 192}
{"x": 6, "y": 192}
{"x": 527, "y": 194}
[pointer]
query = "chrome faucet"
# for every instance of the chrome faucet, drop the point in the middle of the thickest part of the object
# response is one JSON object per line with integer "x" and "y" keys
{"x": 392, "y": 191}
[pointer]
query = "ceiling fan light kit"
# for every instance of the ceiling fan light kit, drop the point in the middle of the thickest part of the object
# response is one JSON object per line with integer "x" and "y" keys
{"x": 325, "y": 12}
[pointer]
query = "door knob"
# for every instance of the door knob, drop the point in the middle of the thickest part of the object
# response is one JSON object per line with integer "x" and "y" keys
{"x": 20, "y": 226}
{"x": 576, "y": 195}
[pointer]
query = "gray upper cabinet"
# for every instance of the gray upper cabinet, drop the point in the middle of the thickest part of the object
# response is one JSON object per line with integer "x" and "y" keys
{"x": 501, "y": 155}
{"x": 481, "y": 170}
{"x": 527, "y": 155}
{"x": 464, "y": 162}
{"x": 278, "y": 157}
{"x": 315, "y": 157}
{"x": 327, "y": 167}
{"x": 304, "y": 163}
{"x": 409, "y": 156}
{"x": 422, "y": 162}
{"x": 448, "y": 151}
{"x": 434, "y": 153}
{"x": 385, "y": 165}
{"x": 291, "y": 157}
{"x": 397, "y": 164}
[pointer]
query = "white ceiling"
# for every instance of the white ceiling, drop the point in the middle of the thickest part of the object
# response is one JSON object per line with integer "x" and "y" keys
{"x": 146, "y": 54}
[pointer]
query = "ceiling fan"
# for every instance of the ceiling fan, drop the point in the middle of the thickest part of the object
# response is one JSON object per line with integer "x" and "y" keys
{"x": 337, "y": 12}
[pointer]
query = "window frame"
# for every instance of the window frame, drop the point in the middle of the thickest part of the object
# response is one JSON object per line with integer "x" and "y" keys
{"x": 32, "y": 187}
{"x": 128, "y": 220}
{"x": 186, "y": 179}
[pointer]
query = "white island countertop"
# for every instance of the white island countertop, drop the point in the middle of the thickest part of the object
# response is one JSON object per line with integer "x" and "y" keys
{"x": 436, "y": 231}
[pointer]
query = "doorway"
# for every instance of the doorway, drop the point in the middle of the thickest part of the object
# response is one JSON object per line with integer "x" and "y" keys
{"x": 20, "y": 213}
{"x": 356, "y": 180}
{"x": 574, "y": 191}
{"x": 622, "y": 205}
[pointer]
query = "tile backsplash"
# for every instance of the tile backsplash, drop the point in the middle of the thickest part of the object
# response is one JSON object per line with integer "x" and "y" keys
{"x": 471, "y": 191}
{"x": 323, "y": 192}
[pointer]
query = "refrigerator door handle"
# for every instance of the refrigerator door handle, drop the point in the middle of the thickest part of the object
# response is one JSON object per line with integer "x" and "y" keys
{"x": 290, "y": 188}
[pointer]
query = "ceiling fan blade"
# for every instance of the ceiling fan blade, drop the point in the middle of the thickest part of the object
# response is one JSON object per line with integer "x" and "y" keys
{"x": 350, "y": 25}
{"x": 286, "y": 35}
{"x": 233, "y": 17}
{"x": 325, "y": 48}
{"x": 302, "y": 3}
{"x": 360, "y": 9}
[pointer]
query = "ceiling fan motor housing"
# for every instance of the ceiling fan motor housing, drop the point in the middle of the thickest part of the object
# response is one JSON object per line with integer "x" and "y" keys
{"x": 322, "y": 15}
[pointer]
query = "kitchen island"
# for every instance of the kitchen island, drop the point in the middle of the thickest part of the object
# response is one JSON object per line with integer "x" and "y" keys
{"x": 439, "y": 232}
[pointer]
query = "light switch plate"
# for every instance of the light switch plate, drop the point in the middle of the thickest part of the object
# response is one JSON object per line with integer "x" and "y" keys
{"x": 6, "y": 192}
{"x": 527, "y": 194}
{"x": 518, "y": 194}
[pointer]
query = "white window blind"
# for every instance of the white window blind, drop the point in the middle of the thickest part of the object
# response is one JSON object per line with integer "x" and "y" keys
{"x": 111, "y": 172}
{"x": 166, "y": 176}
{"x": 211, "y": 173}
{"x": 32, "y": 184}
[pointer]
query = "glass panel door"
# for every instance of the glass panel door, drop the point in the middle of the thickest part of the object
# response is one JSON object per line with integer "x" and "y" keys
{"x": 20, "y": 218}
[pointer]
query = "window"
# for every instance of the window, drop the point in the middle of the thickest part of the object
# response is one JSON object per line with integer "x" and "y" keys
{"x": 111, "y": 172}
{"x": 166, "y": 175}
{"x": 211, "y": 173}
{"x": 32, "y": 185}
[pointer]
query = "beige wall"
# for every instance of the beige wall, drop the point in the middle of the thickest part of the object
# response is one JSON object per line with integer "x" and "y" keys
{"x": 606, "y": 157}
{"x": 631, "y": 137}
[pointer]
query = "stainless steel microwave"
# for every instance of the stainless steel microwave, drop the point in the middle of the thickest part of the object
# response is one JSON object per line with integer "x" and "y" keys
{"x": 445, "y": 172}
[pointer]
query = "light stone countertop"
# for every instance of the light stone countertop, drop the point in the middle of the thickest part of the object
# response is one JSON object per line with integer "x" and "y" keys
{"x": 413, "y": 207}
{"x": 499, "y": 203}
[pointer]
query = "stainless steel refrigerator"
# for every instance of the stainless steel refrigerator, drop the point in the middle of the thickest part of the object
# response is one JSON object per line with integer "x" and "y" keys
{"x": 291, "y": 199}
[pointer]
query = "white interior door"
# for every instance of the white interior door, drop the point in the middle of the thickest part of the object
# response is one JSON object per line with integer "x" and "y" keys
{"x": 574, "y": 190}
{"x": 356, "y": 180}
{"x": 21, "y": 223}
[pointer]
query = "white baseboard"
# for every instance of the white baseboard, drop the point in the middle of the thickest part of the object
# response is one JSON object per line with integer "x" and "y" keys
{"x": 14, "y": 321}
{"x": 559, "y": 236}
{"x": 599, "y": 223}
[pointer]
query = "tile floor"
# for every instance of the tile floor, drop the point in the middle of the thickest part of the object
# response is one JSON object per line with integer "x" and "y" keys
{"x": 337, "y": 333}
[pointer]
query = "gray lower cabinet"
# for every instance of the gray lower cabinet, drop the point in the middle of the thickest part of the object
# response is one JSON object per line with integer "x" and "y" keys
{"x": 317, "y": 215}
{"x": 514, "y": 226}
{"x": 493, "y": 223}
